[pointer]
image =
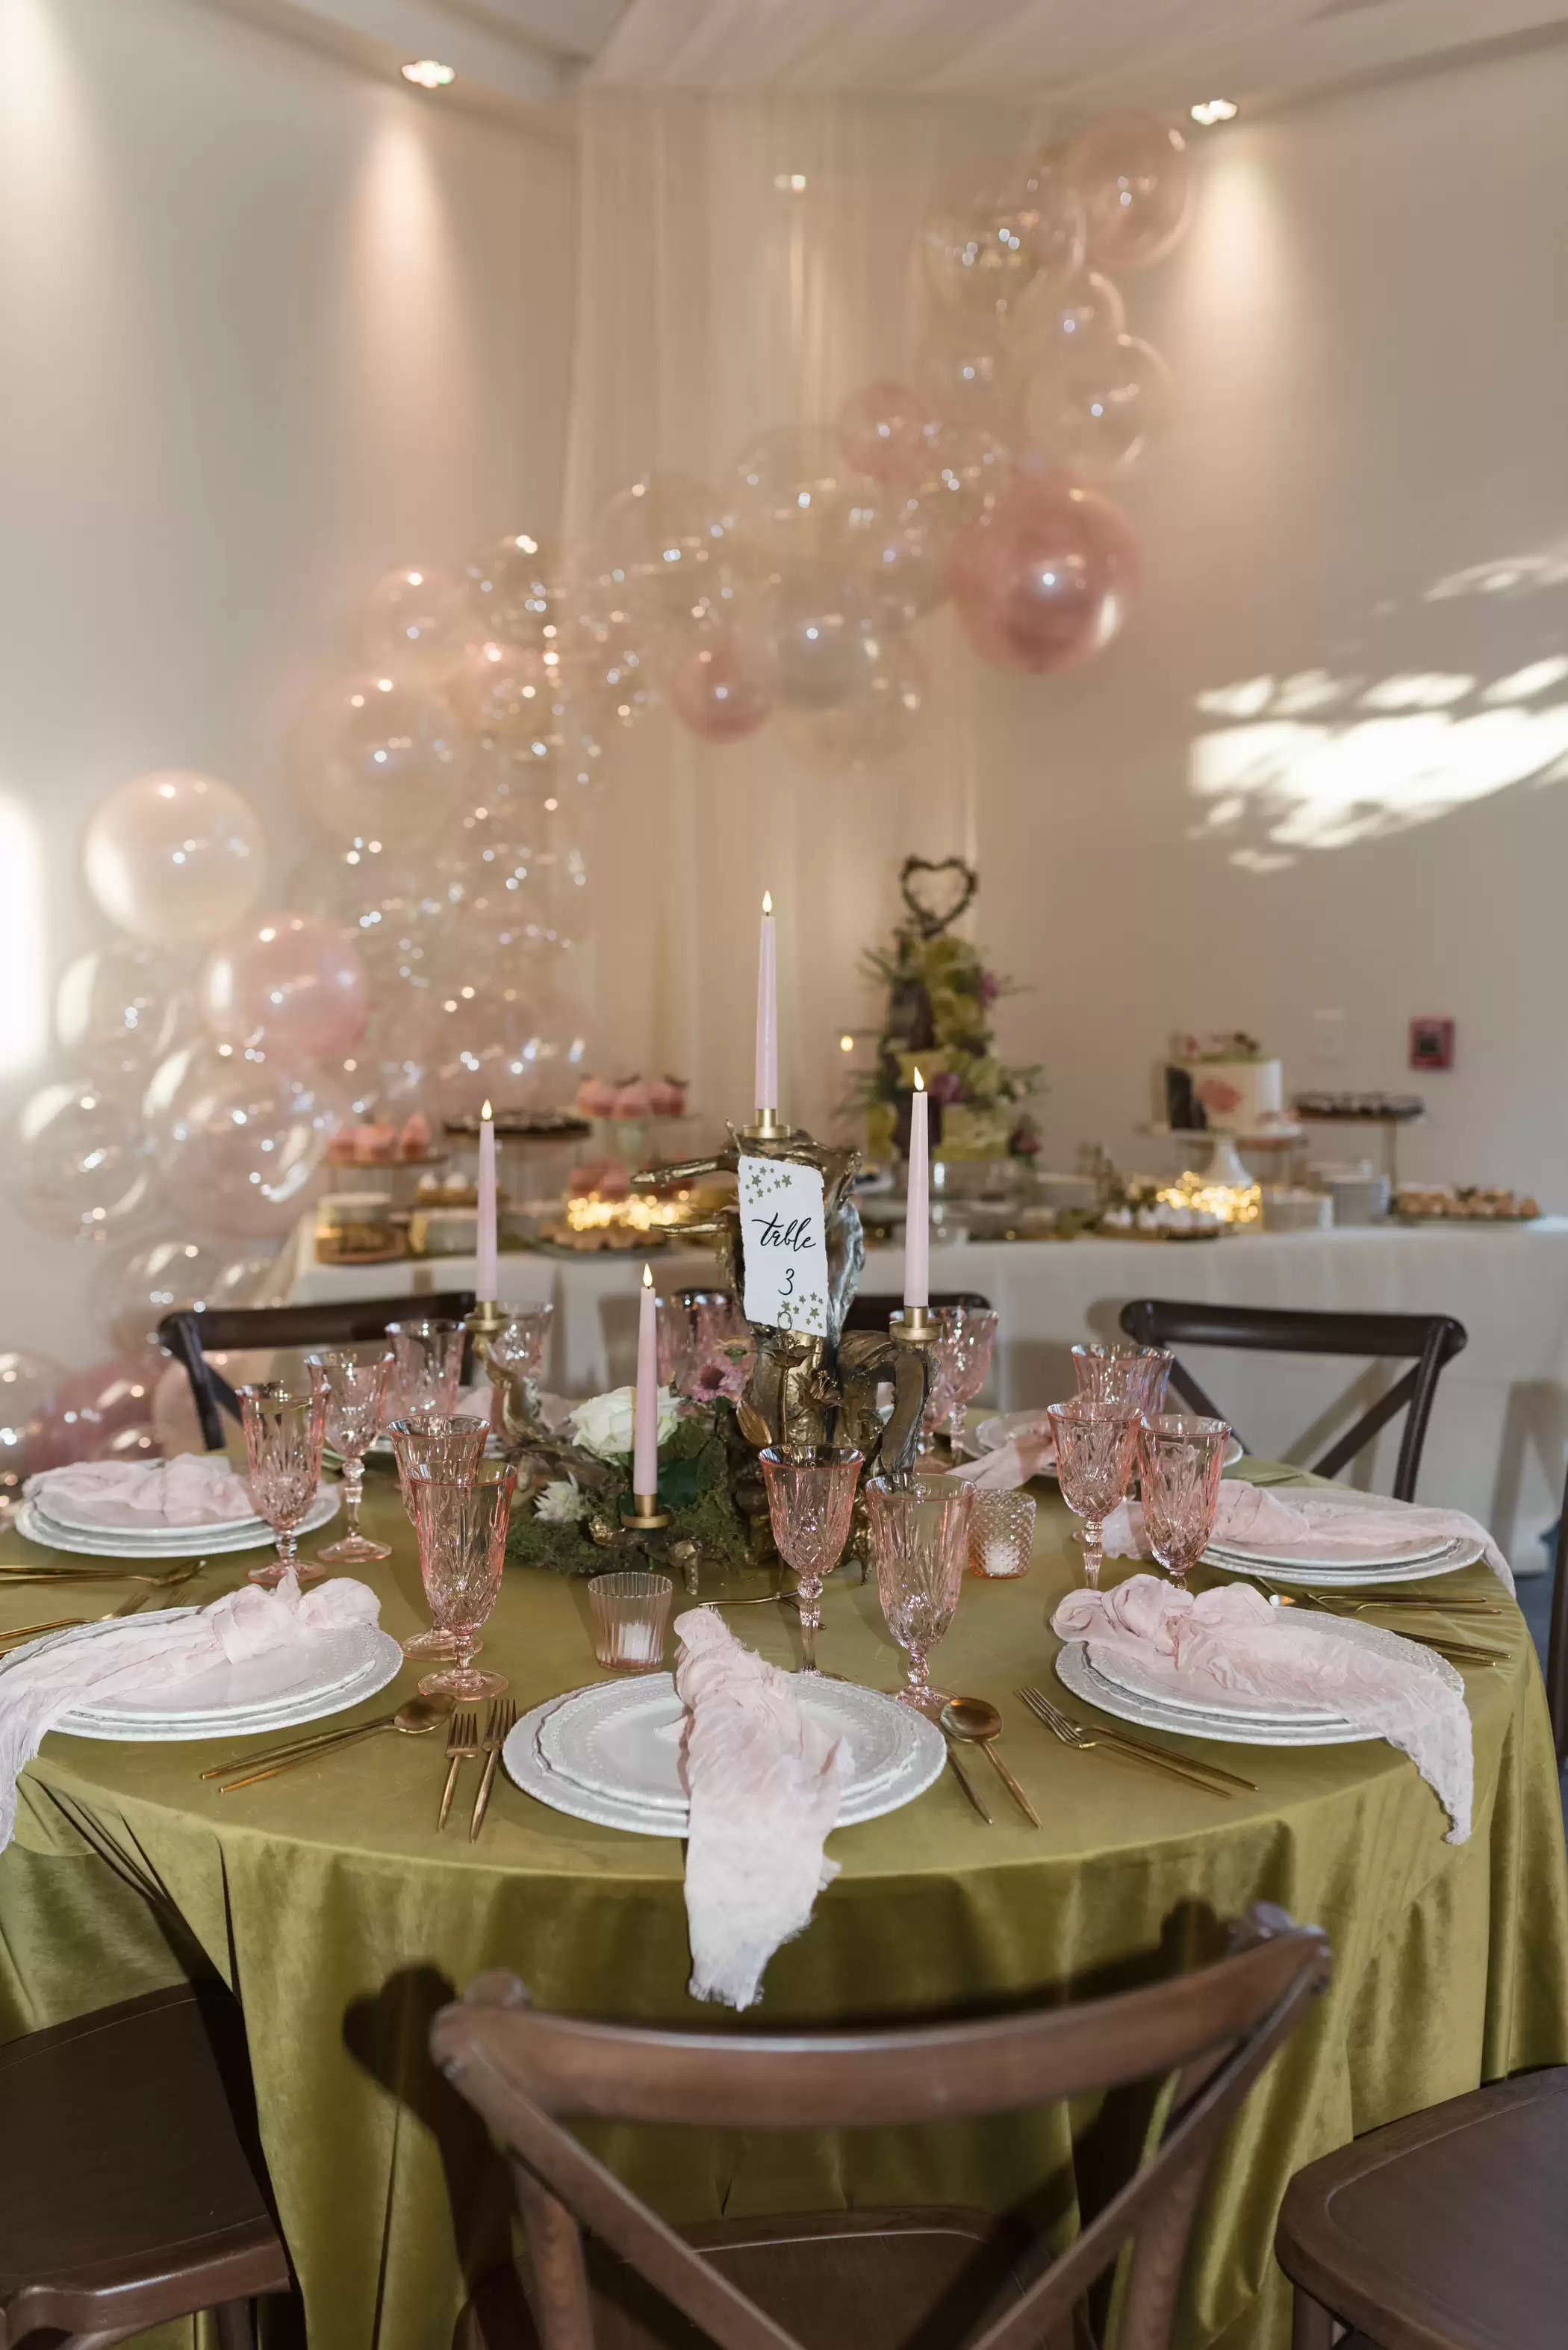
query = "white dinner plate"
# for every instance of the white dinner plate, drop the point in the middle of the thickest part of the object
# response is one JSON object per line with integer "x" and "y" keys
{"x": 1167, "y": 1688}
{"x": 280, "y": 1691}
{"x": 1003, "y": 1426}
{"x": 183, "y": 1542}
{"x": 62, "y": 1514}
{"x": 897, "y": 1755}
{"x": 1227, "y": 1723}
{"x": 1463, "y": 1551}
{"x": 1413, "y": 1547}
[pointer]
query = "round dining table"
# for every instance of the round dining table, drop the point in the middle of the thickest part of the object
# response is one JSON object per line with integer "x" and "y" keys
{"x": 342, "y": 1919}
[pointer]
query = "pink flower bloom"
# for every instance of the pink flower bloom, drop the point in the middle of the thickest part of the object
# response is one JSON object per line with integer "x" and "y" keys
{"x": 718, "y": 1379}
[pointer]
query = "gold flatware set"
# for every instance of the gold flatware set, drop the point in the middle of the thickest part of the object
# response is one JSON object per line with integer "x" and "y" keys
{"x": 1207, "y": 1776}
{"x": 1400, "y": 1604}
{"x": 466, "y": 1745}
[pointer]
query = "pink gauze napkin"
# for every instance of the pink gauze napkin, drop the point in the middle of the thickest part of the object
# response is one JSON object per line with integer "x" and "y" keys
{"x": 1231, "y": 1639}
{"x": 1011, "y": 1465}
{"x": 764, "y": 1783}
{"x": 37, "y": 1689}
{"x": 194, "y": 1488}
{"x": 1320, "y": 1522}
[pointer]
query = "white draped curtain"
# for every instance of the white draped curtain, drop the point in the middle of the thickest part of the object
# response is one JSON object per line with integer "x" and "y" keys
{"x": 717, "y": 298}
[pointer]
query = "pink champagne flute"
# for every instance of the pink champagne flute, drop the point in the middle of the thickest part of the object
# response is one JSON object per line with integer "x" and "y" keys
{"x": 355, "y": 1395}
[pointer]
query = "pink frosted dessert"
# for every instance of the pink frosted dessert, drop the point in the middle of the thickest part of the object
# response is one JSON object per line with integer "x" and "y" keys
{"x": 596, "y": 1099}
{"x": 415, "y": 1140}
{"x": 634, "y": 1100}
{"x": 668, "y": 1097}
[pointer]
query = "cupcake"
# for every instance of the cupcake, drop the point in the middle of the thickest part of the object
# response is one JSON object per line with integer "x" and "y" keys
{"x": 374, "y": 1145}
{"x": 633, "y": 1099}
{"x": 341, "y": 1149}
{"x": 596, "y": 1099}
{"x": 668, "y": 1097}
{"x": 415, "y": 1140}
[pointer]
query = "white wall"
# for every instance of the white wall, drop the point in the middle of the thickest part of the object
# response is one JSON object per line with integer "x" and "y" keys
{"x": 271, "y": 327}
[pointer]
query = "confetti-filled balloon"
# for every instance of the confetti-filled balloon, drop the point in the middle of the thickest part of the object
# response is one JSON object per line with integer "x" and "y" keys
{"x": 515, "y": 587}
{"x": 120, "y": 1008}
{"x": 239, "y": 1140}
{"x": 174, "y": 858}
{"x": 972, "y": 377}
{"x": 723, "y": 689}
{"x": 289, "y": 984}
{"x": 79, "y": 1168}
{"x": 790, "y": 490}
{"x": 1061, "y": 314}
{"x": 896, "y": 546}
{"x": 417, "y": 614}
{"x": 1133, "y": 174}
{"x": 378, "y": 763}
{"x": 873, "y": 731}
{"x": 889, "y": 431}
{"x": 517, "y": 1041}
{"x": 656, "y": 541}
{"x": 971, "y": 469}
{"x": 1045, "y": 580}
{"x": 133, "y": 1289}
{"x": 504, "y": 693}
{"x": 108, "y": 1399}
{"x": 816, "y": 621}
{"x": 992, "y": 227}
{"x": 27, "y": 1386}
{"x": 1096, "y": 413}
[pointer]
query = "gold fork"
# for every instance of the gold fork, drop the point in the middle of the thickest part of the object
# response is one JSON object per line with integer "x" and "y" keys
{"x": 461, "y": 1746}
{"x": 1207, "y": 1776}
{"x": 502, "y": 1721}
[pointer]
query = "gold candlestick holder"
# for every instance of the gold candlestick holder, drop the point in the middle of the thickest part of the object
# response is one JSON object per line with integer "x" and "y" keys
{"x": 915, "y": 1325}
{"x": 484, "y": 1324}
{"x": 645, "y": 1516}
{"x": 766, "y": 1126}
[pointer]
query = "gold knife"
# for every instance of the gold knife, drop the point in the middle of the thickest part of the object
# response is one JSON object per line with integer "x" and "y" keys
{"x": 961, "y": 1775}
{"x": 1187, "y": 1764}
{"x": 306, "y": 1754}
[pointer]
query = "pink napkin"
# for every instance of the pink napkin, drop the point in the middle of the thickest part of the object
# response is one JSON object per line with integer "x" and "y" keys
{"x": 1011, "y": 1465}
{"x": 1319, "y": 1521}
{"x": 765, "y": 1783}
{"x": 35, "y": 1690}
{"x": 194, "y": 1488}
{"x": 1231, "y": 1639}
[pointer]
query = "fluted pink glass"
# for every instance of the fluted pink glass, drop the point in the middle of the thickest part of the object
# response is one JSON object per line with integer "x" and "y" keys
{"x": 1136, "y": 1376}
{"x": 462, "y": 1527}
{"x": 355, "y": 1393}
{"x": 1096, "y": 1450}
{"x": 811, "y": 1499}
{"x": 920, "y": 1541}
{"x": 445, "y": 1446}
{"x": 523, "y": 1343}
{"x": 965, "y": 1337}
{"x": 427, "y": 1358}
{"x": 1180, "y": 1458}
{"x": 283, "y": 1428}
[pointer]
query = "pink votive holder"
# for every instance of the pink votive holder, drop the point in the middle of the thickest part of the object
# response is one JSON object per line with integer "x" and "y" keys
{"x": 1000, "y": 1535}
{"x": 631, "y": 1612}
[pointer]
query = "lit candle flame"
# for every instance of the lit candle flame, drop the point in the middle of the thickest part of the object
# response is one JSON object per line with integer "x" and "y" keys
{"x": 919, "y": 1083}
{"x": 767, "y": 901}
{"x": 648, "y": 1277}
{"x": 486, "y": 1112}
{"x": 846, "y": 1043}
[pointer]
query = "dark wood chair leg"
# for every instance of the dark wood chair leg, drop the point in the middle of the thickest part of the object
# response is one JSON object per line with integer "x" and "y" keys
{"x": 1311, "y": 2328}
{"x": 236, "y": 2325}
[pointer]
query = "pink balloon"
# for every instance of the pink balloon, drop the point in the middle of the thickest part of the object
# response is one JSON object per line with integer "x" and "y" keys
{"x": 289, "y": 984}
{"x": 91, "y": 1407}
{"x": 721, "y": 690}
{"x": 889, "y": 431}
{"x": 1045, "y": 580}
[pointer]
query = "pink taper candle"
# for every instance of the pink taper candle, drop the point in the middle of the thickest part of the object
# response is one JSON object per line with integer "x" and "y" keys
{"x": 484, "y": 1272}
{"x": 917, "y": 1204}
{"x": 645, "y": 1408}
{"x": 767, "y": 1096}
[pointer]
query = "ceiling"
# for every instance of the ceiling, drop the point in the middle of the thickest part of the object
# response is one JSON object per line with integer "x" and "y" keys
{"x": 1053, "y": 54}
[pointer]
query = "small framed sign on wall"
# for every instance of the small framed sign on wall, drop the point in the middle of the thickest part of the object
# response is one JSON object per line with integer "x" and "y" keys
{"x": 1431, "y": 1043}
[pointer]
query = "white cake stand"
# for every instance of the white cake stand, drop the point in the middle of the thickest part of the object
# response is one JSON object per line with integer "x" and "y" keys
{"x": 1224, "y": 1163}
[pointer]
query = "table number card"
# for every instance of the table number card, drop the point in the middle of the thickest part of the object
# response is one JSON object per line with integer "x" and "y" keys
{"x": 784, "y": 1241}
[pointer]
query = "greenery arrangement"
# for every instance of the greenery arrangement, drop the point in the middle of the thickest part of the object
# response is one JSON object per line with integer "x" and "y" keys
{"x": 709, "y": 1483}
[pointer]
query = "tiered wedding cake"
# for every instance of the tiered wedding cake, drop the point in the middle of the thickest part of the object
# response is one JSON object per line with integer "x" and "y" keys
{"x": 1223, "y": 1084}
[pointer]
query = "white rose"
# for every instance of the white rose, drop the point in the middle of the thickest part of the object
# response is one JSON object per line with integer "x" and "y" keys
{"x": 604, "y": 1424}
{"x": 562, "y": 1502}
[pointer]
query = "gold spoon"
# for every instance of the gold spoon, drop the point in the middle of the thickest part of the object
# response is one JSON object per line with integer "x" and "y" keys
{"x": 414, "y": 1719}
{"x": 978, "y": 1722}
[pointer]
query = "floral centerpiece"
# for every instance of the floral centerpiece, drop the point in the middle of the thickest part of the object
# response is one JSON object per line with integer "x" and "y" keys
{"x": 940, "y": 999}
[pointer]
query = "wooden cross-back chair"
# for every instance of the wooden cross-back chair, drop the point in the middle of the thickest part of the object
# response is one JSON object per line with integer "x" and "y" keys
{"x": 1427, "y": 1341}
{"x": 860, "y": 2280}
{"x": 238, "y": 1329}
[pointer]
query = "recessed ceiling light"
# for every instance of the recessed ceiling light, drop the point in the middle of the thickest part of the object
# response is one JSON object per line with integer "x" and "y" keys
{"x": 429, "y": 73}
{"x": 1209, "y": 110}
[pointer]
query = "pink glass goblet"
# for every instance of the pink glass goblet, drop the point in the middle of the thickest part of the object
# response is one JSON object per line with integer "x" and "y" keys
{"x": 355, "y": 1395}
{"x": 449, "y": 1448}
{"x": 283, "y": 1430}
{"x": 811, "y": 1499}
{"x": 1180, "y": 1458}
{"x": 965, "y": 1336}
{"x": 427, "y": 1358}
{"x": 523, "y": 1343}
{"x": 462, "y": 1528}
{"x": 1096, "y": 1445}
{"x": 1134, "y": 1376}
{"x": 920, "y": 1540}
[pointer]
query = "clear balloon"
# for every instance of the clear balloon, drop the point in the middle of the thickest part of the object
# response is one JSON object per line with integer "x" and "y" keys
{"x": 79, "y": 1168}
{"x": 1062, "y": 314}
{"x": 970, "y": 470}
{"x": 609, "y": 669}
{"x": 994, "y": 227}
{"x": 897, "y": 546}
{"x": 887, "y": 430}
{"x": 417, "y": 613}
{"x": 972, "y": 378}
{"x": 1133, "y": 174}
{"x": 120, "y": 1008}
{"x": 655, "y": 543}
{"x": 791, "y": 489}
{"x": 515, "y": 587}
{"x": 503, "y": 692}
{"x": 174, "y": 858}
{"x": 92, "y": 1406}
{"x": 378, "y": 763}
{"x": 238, "y": 1139}
{"x": 1097, "y": 413}
{"x": 516, "y": 1040}
{"x": 289, "y": 984}
{"x": 27, "y": 1386}
{"x": 132, "y": 1290}
{"x": 874, "y": 730}
{"x": 816, "y": 621}
{"x": 723, "y": 689}
{"x": 139, "y": 1442}
{"x": 1045, "y": 580}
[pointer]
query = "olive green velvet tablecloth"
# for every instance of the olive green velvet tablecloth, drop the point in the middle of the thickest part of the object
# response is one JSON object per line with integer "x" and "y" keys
{"x": 327, "y": 1901}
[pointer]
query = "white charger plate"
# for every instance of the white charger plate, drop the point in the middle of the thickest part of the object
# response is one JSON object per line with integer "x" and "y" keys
{"x": 281, "y": 1691}
{"x": 1077, "y": 1672}
{"x": 194, "y": 1541}
{"x": 1459, "y": 1552}
{"x": 1125, "y": 1673}
{"x": 921, "y": 1754}
{"x": 1003, "y": 1426}
{"x": 61, "y": 1513}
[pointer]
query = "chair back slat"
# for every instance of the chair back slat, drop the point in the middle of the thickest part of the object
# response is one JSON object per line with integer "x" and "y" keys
{"x": 1214, "y": 2028}
{"x": 871, "y": 1309}
{"x": 1425, "y": 1341}
{"x": 229, "y": 1329}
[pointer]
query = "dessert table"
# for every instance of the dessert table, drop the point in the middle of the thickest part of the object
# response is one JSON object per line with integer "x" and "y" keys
{"x": 342, "y": 1920}
{"x": 1498, "y": 1444}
